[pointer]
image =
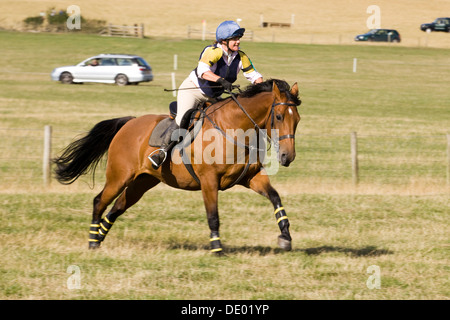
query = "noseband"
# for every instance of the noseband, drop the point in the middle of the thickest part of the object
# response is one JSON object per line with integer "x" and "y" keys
{"x": 272, "y": 114}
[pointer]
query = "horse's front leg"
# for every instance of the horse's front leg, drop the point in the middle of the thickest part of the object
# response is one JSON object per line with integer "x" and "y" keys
{"x": 260, "y": 183}
{"x": 210, "y": 197}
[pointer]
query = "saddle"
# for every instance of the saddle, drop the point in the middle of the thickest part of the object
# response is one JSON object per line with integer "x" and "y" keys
{"x": 192, "y": 122}
{"x": 187, "y": 123}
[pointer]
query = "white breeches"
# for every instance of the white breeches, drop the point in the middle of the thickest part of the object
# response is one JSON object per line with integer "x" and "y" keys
{"x": 188, "y": 99}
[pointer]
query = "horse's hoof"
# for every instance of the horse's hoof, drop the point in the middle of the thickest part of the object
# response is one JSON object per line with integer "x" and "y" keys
{"x": 284, "y": 244}
{"x": 94, "y": 245}
{"x": 218, "y": 253}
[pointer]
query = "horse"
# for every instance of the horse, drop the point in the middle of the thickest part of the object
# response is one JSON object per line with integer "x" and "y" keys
{"x": 271, "y": 104}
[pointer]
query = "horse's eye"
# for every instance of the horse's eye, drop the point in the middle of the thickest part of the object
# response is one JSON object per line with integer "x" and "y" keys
{"x": 279, "y": 117}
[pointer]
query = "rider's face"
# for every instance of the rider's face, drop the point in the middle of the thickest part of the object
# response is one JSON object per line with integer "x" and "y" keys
{"x": 233, "y": 43}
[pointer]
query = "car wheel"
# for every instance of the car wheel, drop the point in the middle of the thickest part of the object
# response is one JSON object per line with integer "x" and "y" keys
{"x": 395, "y": 40}
{"x": 121, "y": 80}
{"x": 66, "y": 78}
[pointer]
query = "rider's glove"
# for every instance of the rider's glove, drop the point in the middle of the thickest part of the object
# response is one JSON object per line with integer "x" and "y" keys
{"x": 225, "y": 84}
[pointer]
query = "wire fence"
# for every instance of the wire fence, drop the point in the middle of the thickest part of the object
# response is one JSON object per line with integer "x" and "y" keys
{"x": 379, "y": 159}
{"x": 396, "y": 160}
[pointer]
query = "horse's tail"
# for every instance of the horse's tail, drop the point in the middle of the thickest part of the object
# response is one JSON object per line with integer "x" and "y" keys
{"x": 82, "y": 156}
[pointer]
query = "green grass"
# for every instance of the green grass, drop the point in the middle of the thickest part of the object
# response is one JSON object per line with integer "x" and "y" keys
{"x": 396, "y": 219}
{"x": 163, "y": 254}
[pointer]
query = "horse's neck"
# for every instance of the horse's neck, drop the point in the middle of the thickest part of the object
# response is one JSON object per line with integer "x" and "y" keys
{"x": 230, "y": 115}
{"x": 258, "y": 108}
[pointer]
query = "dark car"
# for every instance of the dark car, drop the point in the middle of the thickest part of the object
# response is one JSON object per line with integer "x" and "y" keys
{"x": 440, "y": 24}
{"x": 389, "y": 35}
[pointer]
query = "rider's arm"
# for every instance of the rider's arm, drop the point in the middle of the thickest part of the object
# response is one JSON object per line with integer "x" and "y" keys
{"x": 210, "y": 76}
{"x": 249, "y": 70}
{"x": 207, "y": 62}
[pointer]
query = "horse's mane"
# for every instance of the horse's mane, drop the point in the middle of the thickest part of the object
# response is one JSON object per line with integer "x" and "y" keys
{"x": 266, "y": 86}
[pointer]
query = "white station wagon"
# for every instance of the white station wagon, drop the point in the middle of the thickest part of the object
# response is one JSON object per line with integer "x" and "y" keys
{"x": 121, "y": 69}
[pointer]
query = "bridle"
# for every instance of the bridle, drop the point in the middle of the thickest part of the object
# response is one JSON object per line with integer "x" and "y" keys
{"x": 186, "y": 160}
{"x": 272, "y": 114}
{"x": 272, "y": 124}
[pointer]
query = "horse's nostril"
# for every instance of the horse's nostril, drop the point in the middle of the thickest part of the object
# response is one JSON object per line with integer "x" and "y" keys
{"x": 284, "y": 160}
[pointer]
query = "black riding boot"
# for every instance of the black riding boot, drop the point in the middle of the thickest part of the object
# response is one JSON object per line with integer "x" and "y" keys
{"x": 158, "y": 156}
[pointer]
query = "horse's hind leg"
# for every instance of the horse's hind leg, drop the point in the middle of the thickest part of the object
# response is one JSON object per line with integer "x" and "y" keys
{"x": 129, "y": 197}
{"x": 101, "y": 202}
{"x": 260, "y": 183}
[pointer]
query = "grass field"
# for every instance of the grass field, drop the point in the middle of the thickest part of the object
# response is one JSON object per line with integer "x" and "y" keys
{"x": 396, "y": 101}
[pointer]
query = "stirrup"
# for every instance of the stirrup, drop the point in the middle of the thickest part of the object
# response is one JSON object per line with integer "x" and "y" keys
{"x": 154, "y": 164}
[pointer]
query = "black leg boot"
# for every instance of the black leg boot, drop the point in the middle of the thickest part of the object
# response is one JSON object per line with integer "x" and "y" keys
{"x": 158, "y": 156}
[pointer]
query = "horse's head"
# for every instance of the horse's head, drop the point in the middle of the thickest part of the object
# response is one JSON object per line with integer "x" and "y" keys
{"x": 284, "y": 118}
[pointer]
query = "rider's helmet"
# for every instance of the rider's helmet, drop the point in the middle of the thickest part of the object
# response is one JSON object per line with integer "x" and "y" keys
{"x": 227, "y": 30}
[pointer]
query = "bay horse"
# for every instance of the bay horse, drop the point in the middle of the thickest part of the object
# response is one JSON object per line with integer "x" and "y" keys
{"x": 129, "y": 174}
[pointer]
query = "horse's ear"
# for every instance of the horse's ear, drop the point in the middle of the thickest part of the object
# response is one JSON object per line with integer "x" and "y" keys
{"x": 276, "y": 91}
{"x": 294, "y": 90}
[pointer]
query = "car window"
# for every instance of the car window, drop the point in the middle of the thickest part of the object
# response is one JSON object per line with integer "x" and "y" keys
{"x": 93, "y": 62}
{"x": 124, "y": 62}
{"x": 108, "y": 62}
{"x": 141, "y": 62}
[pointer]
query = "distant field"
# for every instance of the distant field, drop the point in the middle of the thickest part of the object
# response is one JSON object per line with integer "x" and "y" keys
{"x": 325, "y": 21}
{"x": 396, "y": 219}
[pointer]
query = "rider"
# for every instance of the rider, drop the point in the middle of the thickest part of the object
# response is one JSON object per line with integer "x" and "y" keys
{"x": 217, "y": 69}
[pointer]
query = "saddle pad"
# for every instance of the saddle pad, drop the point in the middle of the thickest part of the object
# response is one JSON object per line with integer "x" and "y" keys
{"x": 158, "y": 133}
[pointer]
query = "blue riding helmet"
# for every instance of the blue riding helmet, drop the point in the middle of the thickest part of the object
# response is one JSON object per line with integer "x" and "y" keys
{"x": 228, "y": 29}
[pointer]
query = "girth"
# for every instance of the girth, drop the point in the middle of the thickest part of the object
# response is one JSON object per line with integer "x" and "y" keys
{"x": 186, "y": 159}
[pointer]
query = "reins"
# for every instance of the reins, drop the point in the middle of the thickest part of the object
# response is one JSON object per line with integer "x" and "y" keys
{"x": 272, "y": 115}
{"x": 239, "y": 144}
{"x": 256, "y": 126}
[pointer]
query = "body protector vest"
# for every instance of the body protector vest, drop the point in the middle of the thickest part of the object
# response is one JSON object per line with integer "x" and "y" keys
{"x": 213, "y": 56}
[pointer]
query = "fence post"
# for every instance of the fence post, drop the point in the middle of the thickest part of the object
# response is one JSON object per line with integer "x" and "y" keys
{"x": 354, "y": 155}
{"x": 448, "y": 159}
{"x": 47, "y": 154}
{"x": 203, "y": 30}
{"x": 174, "y": 92}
